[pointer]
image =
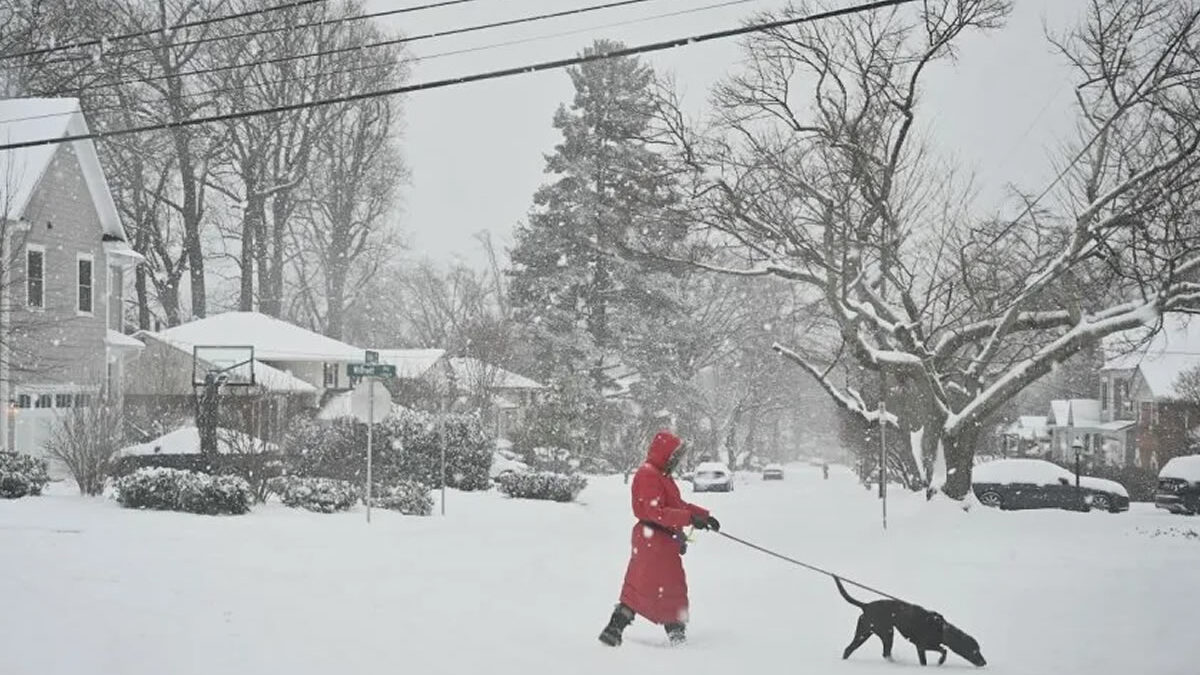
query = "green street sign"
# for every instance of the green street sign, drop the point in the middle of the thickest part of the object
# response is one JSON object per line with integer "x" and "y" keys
{"x": 371, "y": 370}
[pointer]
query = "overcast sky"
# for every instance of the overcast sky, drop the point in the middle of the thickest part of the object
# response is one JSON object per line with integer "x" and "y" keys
{"x": 477, "y": 151}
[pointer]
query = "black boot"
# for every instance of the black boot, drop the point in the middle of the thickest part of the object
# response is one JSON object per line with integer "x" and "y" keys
{"x": 622, "y": 616}
{"x": 677, "y": 633}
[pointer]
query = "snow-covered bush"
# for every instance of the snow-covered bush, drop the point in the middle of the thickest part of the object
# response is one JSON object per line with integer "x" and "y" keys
{"x": 255, "y": 469}
{"x": 542, "y": 485}
{"x": 188, "y": 491}
{"x": 408, "y": 497}
{"x": 408, "y": 446}
{"x": 323, "y": 495}
{"x": 22, "y": 475}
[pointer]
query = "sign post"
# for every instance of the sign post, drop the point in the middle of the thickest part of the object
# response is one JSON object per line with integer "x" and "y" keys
{"x": 371, "y": 369}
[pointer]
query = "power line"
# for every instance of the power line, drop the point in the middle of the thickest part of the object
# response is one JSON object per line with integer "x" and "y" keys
{"x": 480, "y": 77}
{"x": 142, "y": 33}
{"x": 374, "y": 45}
{"x": 280, "y": 29}
{"x": 418, "y": 59}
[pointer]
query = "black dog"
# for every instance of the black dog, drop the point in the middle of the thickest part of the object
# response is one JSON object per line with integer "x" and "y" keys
{"x": 927, "y": 630}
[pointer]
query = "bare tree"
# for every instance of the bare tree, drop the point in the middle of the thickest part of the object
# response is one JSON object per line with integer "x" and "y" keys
{"x": 86, "y": 439}
{"x": 955, "y": 315}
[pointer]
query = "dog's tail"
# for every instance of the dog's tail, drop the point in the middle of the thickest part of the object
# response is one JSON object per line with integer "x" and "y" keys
{"x": 842, "y": 590}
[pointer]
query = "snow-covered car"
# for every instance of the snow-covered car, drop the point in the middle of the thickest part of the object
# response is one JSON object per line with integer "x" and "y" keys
{"x": 505, "y": 462}
{"x": 1179, "y": 486}
{"x": 712, "y": 477}
{"x": 1014, "y": 484}
{"x": 773, "y": 472}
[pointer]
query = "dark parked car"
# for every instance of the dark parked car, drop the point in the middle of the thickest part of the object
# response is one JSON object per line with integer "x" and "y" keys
{"x": 1015, "y": 484}
{"x": 1179, "y": 486}
{"x": 773, "y": 472}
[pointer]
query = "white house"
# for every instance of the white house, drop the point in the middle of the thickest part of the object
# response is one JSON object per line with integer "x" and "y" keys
{"x": 65, "y": 258}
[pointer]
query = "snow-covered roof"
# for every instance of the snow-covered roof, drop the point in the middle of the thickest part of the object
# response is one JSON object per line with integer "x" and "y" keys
{"x": 467, "y": 371}
{"x": 411, "y": 363}
{"x": 21, "y": 169}
{"x": 120, "y": 340}
{"x": 1075, "y": 412}
{"x": 1029, "y": 427}
{"x": 272, "y": 339}
{"x": 266, "y": 377}
{"x": 1172, "y": 350}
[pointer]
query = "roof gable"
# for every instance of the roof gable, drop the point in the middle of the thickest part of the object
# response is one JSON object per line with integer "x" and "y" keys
{"x": 22, "y": 169}
{"x": 1162, "y": 357}
{"x": 273, "y": 339}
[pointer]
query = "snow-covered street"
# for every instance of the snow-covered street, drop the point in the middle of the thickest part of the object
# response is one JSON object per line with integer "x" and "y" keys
{"x": 503, "y": 586}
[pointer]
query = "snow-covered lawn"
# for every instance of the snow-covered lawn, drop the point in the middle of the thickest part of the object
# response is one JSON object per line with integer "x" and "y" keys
{"x": 510, "y": 587}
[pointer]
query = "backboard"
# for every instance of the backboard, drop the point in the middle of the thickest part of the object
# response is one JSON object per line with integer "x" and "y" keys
{"x": 233, "y": 363}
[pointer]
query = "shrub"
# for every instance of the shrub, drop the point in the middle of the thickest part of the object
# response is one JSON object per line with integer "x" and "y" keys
{"x": 256, "y": 469}
{"x": 408, "y": 497}
{"x": 22, "y": 475}
{"x": 85, "y": 439}
{"x": 407, "y": 447}
{"x": 542, "y": 485}
{"x": 188, "y": 491}
{"x": 323, "y": 495}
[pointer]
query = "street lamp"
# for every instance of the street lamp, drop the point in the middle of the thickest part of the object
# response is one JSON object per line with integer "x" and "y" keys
{"x": 1077, "y": 445}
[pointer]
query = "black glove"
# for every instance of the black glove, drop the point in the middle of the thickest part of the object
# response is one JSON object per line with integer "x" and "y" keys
{"x": 709, "y": 523}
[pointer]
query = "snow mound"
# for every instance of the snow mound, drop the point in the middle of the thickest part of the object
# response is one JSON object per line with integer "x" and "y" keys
{"x": 1103, "y": 485}
{"x": 1182, "y": 468}
{"x": 186, "y": 441}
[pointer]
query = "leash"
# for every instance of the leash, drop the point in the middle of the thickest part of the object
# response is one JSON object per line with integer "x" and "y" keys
{"x": 805, "y": 565}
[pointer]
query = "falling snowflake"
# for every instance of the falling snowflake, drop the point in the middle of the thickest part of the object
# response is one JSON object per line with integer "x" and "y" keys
{"x": 647, "y": 532}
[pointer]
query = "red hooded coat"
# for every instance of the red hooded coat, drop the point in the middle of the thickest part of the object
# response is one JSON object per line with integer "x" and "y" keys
{"x": 655, "y": 584}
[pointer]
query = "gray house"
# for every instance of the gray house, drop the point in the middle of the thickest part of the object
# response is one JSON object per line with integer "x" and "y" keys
{"x": 65, "y": 258}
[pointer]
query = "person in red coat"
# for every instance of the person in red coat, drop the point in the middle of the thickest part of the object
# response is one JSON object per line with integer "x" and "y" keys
{"x": 655, "y": 584}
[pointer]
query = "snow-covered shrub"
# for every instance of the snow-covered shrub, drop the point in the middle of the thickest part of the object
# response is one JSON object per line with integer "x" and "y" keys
{"x": 188, "y": 491}
{"x": 542, "y": 485}
{"x": 408, "y": 497}
{"x": 323, "y": 495}
{"x": 255, "y": 469}
{"x": 408, "y": 446}
{"x": 22, "y": 475}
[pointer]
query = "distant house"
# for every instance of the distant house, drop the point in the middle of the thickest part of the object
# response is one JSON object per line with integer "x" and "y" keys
{"x": 1138, "y": 387}
{"x": 65, "y": 258}
{"x": 1027, "y": 436}
{"x": 295, "y": 368}
{"x": 1079, "y": 423}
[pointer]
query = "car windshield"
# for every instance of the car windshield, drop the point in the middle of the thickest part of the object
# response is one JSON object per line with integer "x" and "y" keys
{"x": 710, "y": 474}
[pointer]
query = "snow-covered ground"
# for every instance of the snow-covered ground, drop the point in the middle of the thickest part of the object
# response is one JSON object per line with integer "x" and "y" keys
{"x": 506, "y": 587}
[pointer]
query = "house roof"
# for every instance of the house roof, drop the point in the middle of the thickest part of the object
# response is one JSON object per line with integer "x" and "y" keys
{"x": 266, "y": 377}
{"x": 1075, "y": 412}
{"x": 272, "y": 339}
{"x": 1028, "y": 427}
{"x": 469, "y": 370}
{"x": 21, "y": 169}
{"x": 411, "y": 363}
{"x": 1160, "y": 359}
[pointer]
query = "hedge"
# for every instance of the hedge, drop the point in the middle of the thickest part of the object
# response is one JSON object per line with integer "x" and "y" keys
{"x": 408, "y": 497}
{"x": 22, "y": 475}
{"x": 321, "y": 495}
{"x": 188, "y": 491}
{"x": 542, "y": 485}
{"x": 256, "y": 469}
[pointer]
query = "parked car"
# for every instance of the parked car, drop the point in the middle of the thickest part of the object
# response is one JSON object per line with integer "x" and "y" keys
{"x": 505, "y": 462}
{"x": 1179, "y": 486}
{"x": 773, "y": 472}
{"x": 712, "y": 477}
{"x": 1014, "y": 484}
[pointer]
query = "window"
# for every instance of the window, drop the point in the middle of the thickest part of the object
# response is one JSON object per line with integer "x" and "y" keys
{"x": 23, "y": 401}
{"x": 44, "y": 401}
{"x": 85, "y": 284}
{"x": 1104, "y": 395}
{"x": 331, "y": 375}
{"x": 63, "y": 400}
{"x": 116, "y": 299}
{"x": 35, "y": 276}
{"x": 83, "y": 400}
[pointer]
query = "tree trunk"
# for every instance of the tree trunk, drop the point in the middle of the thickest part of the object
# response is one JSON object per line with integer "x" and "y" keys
{"x": 143, "y": 297}
{"x": 251, "y": 222}
{"x": 959, "y": 451}
{"x": 335, "y": 302}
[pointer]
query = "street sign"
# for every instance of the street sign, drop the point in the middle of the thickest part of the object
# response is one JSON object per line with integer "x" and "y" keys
{"x": 371, "y": 370}
{"x": 372, "y": 357}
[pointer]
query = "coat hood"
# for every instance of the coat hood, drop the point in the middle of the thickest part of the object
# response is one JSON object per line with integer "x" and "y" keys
{"x": 664, "y": 444}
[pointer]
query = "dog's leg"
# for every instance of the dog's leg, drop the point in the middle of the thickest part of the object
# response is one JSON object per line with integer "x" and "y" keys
{"x": 921, "y": 656}
{"x": 861, "y": 634}
{"x": 942, "y": 658}
{"x": 886, "y": 635}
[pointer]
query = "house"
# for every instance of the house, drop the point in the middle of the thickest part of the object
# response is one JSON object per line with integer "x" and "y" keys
{"x": 295, "y": 369}
{"x": 1138, "y": 387}
{"x": 1079, "y": 424}
{"x": 65, "y": 259}
{"x": 1027, "y": 436}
